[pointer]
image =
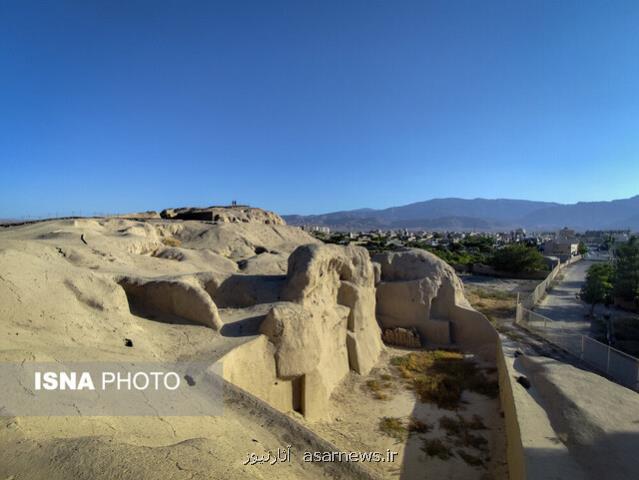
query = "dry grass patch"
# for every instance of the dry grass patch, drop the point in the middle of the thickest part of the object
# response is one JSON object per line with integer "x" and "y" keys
{"x": 472, "y": 460}
{"x": 496, "y": 305}
{"x": 441, "y": 376}
{"x": 379, "y": 389}
{"x": 434, "y": 447}
{"x": 393, "y": 427}
{"x": 417, "y": 426}
{"x": 491, "y": 294}
{"x": 461, "y": 437}
{"x": 461, "y": 430}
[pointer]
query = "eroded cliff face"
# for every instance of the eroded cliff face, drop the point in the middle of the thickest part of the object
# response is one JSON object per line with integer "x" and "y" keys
{"x": 327, "y": 325}
{"x": 417, "y": 289}
{"x": 327, "y": 320}
{"x": 236, "y": 214}
{"x": 288, "y": 316}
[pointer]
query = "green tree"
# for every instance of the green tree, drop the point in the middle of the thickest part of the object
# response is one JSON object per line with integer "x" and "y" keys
{"x": 518, "y": 258}
{"x": 582, "y": 249}
{"x": 626, "y": 279}
{"x": 598, "y": 287}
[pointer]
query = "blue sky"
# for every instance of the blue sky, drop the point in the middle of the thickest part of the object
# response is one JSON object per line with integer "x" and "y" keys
{"x": 314, "y": 106}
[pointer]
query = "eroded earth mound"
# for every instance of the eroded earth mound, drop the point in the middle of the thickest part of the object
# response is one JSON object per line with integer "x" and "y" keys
{"x": 287, "y": 317}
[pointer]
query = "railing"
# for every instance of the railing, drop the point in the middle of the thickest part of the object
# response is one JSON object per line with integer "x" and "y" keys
{"x": 619, "y": 366}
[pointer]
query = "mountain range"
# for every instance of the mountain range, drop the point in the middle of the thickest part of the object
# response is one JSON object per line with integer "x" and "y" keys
{"x": 481, "y": 214}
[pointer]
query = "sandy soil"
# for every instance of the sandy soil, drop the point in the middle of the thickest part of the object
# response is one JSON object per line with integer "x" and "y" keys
{"x": 356, "y": 421}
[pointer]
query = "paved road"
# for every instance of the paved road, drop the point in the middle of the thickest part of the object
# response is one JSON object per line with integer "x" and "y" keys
{"x": 561, "y": 303}
{"x": 570, "y": 328}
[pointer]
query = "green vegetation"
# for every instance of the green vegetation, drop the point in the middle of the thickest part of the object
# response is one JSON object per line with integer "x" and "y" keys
{"x": 626, "y": 330}
{"x": 518, "y": 258}
{"x": 617, "y": 281}
{"x": 473, "y": 249}
{"x": 582, "y": 249}
{"x": 626, "y": 333}
{"x": 598, "y": 287}
{"x": 458, "y": 252}
{"x": 337, "y": 238}
{"x": 378, "y": 244}
{"x": 626, "y": 276}
{"x": 441, "y": 376}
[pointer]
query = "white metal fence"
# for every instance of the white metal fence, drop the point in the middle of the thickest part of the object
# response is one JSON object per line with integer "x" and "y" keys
{"x": 619, "y": 366}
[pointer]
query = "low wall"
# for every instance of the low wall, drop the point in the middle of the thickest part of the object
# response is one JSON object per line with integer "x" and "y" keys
{"x": 514, "y": 447}
{"x": 533, "y": 450}
{"x": 540, "y": 290}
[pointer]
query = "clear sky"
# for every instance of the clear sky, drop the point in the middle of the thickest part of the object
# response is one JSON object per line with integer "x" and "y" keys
{"x": 314, "y": 106}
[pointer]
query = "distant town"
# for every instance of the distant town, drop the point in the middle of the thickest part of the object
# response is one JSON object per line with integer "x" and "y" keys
{"x": 471, "y": 251}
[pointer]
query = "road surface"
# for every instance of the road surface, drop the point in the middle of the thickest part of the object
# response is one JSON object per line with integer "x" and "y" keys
{"x": 562, "y": 304}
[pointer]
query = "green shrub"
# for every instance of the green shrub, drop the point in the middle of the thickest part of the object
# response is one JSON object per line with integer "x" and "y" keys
{"x": 518, "y": 258}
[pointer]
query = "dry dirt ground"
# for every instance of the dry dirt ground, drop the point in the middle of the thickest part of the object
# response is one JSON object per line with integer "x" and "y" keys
{"x": 358, "y": 425}
{"x": 496, "y": 297}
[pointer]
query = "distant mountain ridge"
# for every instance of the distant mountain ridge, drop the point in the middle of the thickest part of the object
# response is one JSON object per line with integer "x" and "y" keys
{"x": 483, "y": 215}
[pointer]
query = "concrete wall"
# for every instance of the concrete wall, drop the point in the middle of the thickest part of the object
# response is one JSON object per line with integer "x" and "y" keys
{"x": 541, "y": 289}
{"x": 514, "y": 448}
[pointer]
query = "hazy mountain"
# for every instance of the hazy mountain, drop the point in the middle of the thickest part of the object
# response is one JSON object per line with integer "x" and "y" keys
{"x": 589, "y": 215}
{"x": 483, "y": 214}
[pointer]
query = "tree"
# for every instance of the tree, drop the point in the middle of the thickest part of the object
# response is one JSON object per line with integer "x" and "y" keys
{"x": 582, "y": 249}
{"x": 626, "y": 279}
{"x": 598, "y": 287}
{"x": 517, "y": 258}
